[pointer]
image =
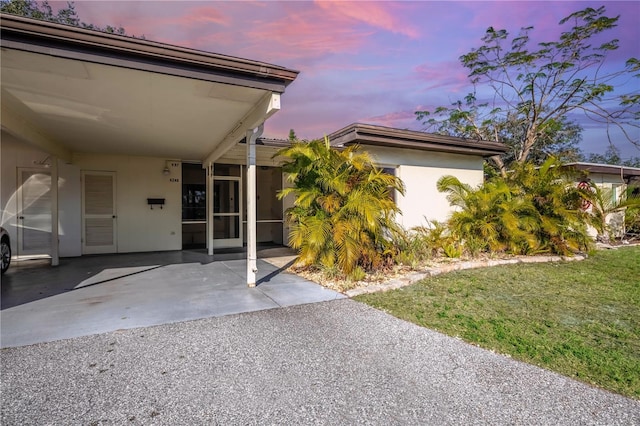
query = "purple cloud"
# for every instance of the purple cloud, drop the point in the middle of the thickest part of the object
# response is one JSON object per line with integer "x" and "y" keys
{"x": 360, "y": 61}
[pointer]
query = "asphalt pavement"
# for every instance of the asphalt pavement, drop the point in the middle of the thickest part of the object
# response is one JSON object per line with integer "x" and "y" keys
{"x": 338, "y": 362}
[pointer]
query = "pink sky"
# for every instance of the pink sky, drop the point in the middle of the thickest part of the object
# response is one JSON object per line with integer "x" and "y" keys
{"x": 371, "y": 62}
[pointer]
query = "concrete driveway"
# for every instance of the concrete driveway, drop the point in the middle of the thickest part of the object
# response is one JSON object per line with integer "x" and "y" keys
{"x": 98, "y": 294}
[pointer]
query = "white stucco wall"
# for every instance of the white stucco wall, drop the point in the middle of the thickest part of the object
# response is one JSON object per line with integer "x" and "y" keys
{"x": 140, "y": 228}
{"x": 137, "y": 178}
{"x": 609, "y": 181}
{"x": 606, "y": 180}
{"x": 15, "y": 154}
{"x": 420, "y": 170}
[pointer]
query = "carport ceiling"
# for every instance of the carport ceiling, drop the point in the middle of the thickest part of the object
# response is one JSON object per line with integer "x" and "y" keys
{"x": 67, "y": 89}
{"x": 90, "y": 107}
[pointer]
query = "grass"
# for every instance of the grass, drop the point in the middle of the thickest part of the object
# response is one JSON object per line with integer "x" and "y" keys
{"x": 580, "y": 319}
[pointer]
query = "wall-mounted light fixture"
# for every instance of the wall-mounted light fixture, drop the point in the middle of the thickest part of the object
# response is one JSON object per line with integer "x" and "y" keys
{"x": 166, "y": 171}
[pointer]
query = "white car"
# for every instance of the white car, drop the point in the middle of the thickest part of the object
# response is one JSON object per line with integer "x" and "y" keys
{"x": 5, "y": 250}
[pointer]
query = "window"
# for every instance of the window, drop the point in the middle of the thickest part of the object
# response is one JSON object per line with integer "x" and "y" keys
{"x": 194, "y": 193}
{"x": 392, "y": 192}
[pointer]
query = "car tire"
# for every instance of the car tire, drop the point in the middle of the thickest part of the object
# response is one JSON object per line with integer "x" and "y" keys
{"x": 5, "y": 255}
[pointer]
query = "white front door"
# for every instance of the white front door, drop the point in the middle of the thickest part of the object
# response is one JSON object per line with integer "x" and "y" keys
{"x": 34, "y": 215}
{"x": 99, "y": 212}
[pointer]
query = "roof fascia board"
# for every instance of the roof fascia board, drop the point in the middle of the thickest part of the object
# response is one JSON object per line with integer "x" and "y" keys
{"x": 265, "y": 108}
{"x": 344, "y": 139}
{"x": 145, "y": 64}
{"x": 409, "y": 136}
{"x": 423, "y": 146}
{"x": 56, "y": 39}
{"x": 605, "y": 168}
{"x": 396, "y": 138}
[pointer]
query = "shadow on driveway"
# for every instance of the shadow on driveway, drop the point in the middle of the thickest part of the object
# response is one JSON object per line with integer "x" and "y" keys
{"x": 97, "y": 294}
{"x": 32, "y": 280}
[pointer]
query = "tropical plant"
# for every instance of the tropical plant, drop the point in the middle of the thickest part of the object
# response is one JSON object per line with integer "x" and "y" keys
{"x": 492, "y": 212}
{"x": 632, "y": 214}
{"x": 343, "y": 210}
{"x": 532, "y": 210}
{"x": 608, "y": 211}
{"x": 561, "y": 222}
{"x": 418, "y": 244}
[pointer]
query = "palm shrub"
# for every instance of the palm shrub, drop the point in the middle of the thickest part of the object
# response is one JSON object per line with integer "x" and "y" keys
{"x": 343, "y": 211}
{"x": 532, "y": 210}
{"x": 492, "y": 213}
{"x": 606, "y": 205}
{"x": 561, "y": 222}
{"x": 632, "y": 213}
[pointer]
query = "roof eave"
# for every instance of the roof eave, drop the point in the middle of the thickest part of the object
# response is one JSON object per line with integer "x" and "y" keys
{"x": 364, "y": 134}
{"x": 57, "y": 39}
{"x": 605, "y": 168}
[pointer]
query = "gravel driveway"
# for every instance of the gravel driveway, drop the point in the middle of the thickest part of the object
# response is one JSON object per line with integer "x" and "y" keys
{"x": 337, "y": 362}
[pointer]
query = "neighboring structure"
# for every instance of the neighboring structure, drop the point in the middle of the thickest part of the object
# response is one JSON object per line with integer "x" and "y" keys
{"x": 617, "y": 178}
{"x": 613, "y": 178}
{"x": 150, "y": 143}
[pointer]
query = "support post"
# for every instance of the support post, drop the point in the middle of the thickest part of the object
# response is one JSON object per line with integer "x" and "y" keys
{"x": 209, "y": 188}
{"x": 252, "y": 255}
{"x": 55, "y": 238}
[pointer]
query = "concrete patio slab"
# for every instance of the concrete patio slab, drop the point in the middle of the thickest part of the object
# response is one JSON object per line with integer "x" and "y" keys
{"x": 98, "y": 294}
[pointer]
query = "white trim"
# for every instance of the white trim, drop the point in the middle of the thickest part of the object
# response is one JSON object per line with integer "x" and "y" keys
{"x": 228, "y": 242}
{"x": 252, "y": 266}
{"x": 265, "y": 108}
{"x": 55, "y": 237}
{"x": 209, "y": 196}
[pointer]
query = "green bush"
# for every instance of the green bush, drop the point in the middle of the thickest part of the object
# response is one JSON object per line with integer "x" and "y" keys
{"x": 343, "y": 211}
{"x": 532, "y": 210}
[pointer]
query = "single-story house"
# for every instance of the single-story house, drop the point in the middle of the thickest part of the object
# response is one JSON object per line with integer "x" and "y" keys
{"x": 157, "y": 147}
{"x": 420, "y": 159}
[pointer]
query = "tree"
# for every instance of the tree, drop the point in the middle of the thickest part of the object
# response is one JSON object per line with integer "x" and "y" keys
{"x": 612, "y": 156}
{"x": 343, "y": 208}
{"x": 537, "y": 88}
{"x": 44, "y": 12}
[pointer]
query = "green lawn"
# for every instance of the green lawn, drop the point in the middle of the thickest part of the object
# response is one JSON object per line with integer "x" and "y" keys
{"x": 581, "y": 319}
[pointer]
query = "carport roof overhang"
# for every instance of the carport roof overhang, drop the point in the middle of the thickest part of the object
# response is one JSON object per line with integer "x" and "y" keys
{"x": 367, "y": 134}
{"x": 67, "y": 89}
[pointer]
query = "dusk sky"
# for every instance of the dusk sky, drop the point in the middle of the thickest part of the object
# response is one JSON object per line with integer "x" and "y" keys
{"x": 370, "y": 62}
